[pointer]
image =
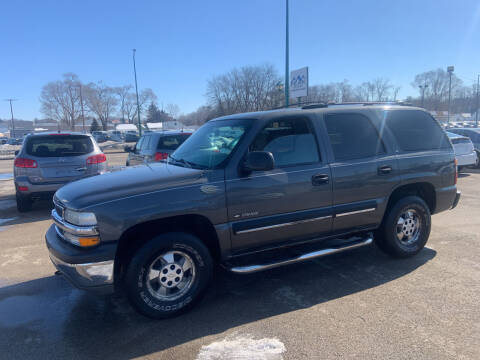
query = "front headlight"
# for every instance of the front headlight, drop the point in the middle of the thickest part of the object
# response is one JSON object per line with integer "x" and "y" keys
{"x": 80, "y": 218}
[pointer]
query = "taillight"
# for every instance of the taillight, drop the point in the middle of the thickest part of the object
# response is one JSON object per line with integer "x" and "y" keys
{"x": 25, "y": 163}
{"x": 456, "y": 171}
{"x": 161, "y": 156}
{"x": 96, "y": 159}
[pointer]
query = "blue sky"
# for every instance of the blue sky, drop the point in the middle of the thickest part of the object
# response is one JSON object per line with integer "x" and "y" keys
{"x": 181, "y": 44}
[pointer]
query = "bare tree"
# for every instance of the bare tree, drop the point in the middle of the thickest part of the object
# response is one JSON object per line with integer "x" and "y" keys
{"x": 437, "y": 86}
{"x": 250, "y": 88}
{"x": 130, "y": 107}
{"x": 198, "y": 117}
{"x": 60, "y": 100}
{"x": 101, "y": 101}
{"x": 382, "y": 88}
{"x": 396, "y": 90}
{"x": 345, "y": 91}
{"x": 173, "y": 110}
{"x": 123, "y": 92}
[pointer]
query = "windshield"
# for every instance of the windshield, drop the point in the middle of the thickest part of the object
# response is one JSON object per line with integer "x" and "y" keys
{"x": 210, "y": 145}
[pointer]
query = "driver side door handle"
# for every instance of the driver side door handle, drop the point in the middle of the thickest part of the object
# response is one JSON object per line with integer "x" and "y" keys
{"x": 320, "y": 179}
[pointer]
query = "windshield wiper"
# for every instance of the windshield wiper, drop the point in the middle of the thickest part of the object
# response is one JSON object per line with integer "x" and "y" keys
{"x": 179, "y": 161}
{"x": 188, "y": 163}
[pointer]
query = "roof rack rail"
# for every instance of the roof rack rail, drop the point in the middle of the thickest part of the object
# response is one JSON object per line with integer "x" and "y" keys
{"x": 316, "y": 105}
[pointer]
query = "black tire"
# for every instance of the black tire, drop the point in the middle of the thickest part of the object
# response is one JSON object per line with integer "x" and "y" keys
{"x": 127, "y": 163}
{"x": 141, "y": 294}
{"x": 386, "y": 237}
{"x": 477, "y": 165}
{"x": 24, "y": 202}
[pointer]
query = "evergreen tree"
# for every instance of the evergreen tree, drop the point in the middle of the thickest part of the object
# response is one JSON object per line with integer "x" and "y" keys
{"x": 95, "y": 126}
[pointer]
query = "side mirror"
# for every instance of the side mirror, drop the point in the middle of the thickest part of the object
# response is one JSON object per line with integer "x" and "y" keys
{"x": 259, "y": 161}
{"x": 127, "y": 148}
{"x": 16, "y": 152}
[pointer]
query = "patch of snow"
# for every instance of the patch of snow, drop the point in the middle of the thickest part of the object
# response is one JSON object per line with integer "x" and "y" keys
{"x": 243, "y": 348}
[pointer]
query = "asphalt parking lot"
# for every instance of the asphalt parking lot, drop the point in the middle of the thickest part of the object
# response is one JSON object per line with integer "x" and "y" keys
{"x": 360, "y": 304}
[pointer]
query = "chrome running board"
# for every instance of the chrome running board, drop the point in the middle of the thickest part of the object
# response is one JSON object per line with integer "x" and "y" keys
{"x": 248, "y": 269}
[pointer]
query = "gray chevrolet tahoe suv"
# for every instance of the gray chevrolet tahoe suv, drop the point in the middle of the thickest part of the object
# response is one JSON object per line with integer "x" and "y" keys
{"x": 251, "y": 192}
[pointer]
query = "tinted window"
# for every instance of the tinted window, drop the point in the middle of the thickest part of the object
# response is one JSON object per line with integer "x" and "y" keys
{"x": 473, "y": 135}
{"x": 139, "y": 144}
{"x": 146, "y": 145}
{"x": 291, "y": 142}
{"x": 59, "y": 145}
{"x": 416, "y": 130}
{"x": 171, "y": 142}
{"x": 353, "y": 136}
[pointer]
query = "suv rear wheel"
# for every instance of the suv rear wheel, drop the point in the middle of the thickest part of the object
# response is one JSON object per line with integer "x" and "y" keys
{"x": 24, "y": 202}
{"x": 406, "y": 228}
{"x": 168, "y": 275}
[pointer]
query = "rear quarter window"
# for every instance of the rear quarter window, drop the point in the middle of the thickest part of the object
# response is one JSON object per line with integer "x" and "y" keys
{"x": 59, "y": 145}
{"x": 415, "y": 130}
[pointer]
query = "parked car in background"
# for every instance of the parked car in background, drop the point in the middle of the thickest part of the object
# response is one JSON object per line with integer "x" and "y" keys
{"x": 47, "y": 161}
{"x": 115, "y": 135}
{"x": 464, "y": 150}
{"x": 3, "y": 140}
{"x": 155, "y": 146}
{"x": 15, "y": 141}
{"x": 473, "y": 134}
{"x": 131, "y": 136}
{"x": 100, "y": 136}
{"x": 252, "y": 192}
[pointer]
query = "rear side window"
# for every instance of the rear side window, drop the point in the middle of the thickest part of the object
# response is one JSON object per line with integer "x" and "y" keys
{"x": 59, "y": 145}
{"x": 171, "y": 142}
{"x": 146, "y": 143}
{"x": 416, "y": 130}
{"x": 291, "y": 142}
{"x": 353, "y": 136}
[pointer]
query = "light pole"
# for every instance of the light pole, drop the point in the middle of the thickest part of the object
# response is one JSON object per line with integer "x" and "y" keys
{"x": 11, "y": 112}
{"x": 476, "y": 112}
{"x": 423, "y": 88}
{"x": 450, "y": 71}
{"x": 287, "y": 81}
{"x": 136, "y": 91}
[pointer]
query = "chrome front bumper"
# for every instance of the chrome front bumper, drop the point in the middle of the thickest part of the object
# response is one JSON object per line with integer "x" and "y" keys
{"x": 89, "y": 276}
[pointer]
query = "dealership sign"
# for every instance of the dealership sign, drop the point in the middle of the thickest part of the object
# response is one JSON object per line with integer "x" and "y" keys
{"x": 299, "y": 83}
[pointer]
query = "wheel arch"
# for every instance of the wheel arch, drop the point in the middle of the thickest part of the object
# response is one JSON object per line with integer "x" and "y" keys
{"x": 136, "y": 236}
{"x": 424, "y": 190}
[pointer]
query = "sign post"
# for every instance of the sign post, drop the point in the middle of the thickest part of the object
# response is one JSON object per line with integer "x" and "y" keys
{"x": 299, "y": 83}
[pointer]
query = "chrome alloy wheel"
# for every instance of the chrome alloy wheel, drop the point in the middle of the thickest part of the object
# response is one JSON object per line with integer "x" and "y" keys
{"x": 408, "y": 227}
{"x": 170, "y": 275}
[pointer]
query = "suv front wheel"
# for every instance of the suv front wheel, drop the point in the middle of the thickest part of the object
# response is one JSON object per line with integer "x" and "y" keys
{"x": 406, "y": 228}
{"x": 168, "y": 275}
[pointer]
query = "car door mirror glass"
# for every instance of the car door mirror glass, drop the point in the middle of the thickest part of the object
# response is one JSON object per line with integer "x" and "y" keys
{"x": 259, "y": 161}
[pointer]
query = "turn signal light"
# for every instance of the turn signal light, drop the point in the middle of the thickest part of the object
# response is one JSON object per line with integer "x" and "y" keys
{"x": 25, "y": 163}
{"x": 96, "y": 159}
{"x": 88, "y": 241}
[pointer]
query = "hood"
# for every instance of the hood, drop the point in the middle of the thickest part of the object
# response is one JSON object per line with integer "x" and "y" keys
{"x": 126, "y": 182}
